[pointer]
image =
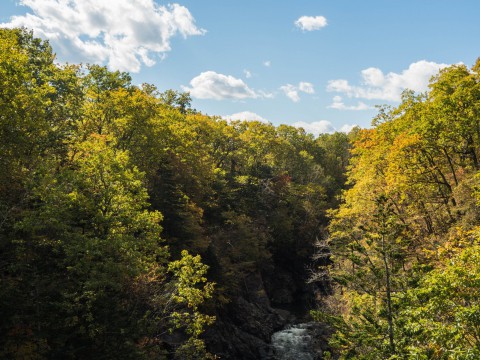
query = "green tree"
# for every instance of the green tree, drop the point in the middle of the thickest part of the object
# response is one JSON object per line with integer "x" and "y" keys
{"x": 82, "y": 263}
{"x": 442, "y": 314}
{"x": 179, "y": 100}
{"x": 191, "y": 289}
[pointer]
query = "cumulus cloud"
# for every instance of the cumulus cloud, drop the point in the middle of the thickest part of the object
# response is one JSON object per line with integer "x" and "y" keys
{"x": 123, "y": 33}
{"x": 377, "y": 85}
{"x": 245, "y": 115}
{"x": 306, "y": 87}
{"x": 316, "y": 127}
{"x": 247, "y": 73}
{"x": 340, "y": 105}
{"x": 321, "y": 127}
{"x": 347, "y": 128}
{"x": 267, "y": 63}
{"x": 310, "y": 23}
{"x": 291, "y": 91}
{"x": 212, "y": 85}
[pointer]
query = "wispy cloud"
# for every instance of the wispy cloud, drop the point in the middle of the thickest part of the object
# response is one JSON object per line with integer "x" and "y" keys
{"x": 340, "y": 105}
{"x": 245, "y": 116}
{"x": 292, "y": 91}
{"x": 247, "y": 73}
{"x": 123, "y": 33}
{"x": 267, "y": 63}
{"x": 212, "y": 85}
{"x": 311, "y": 23}
{"x": 379, "y": 86}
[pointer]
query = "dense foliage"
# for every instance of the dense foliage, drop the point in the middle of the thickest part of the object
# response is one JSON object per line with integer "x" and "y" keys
{"x": 109, "y": 194}
{"x": 405, "y": 240}
{"x": 128, "y": 219}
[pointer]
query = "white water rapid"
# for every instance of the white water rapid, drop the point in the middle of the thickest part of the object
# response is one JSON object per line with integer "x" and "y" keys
{"x": 294, "y": 343}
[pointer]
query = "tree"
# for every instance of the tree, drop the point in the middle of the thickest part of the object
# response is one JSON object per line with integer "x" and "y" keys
{"x": 89, "y": 230}
{"x": 368, "y": 266}
{"x": 412, "y": 189}
{"x": 442, "y": 314}
{"x": 178, "y": 100}
{"x": 191, "y": 289}
{"x": 82, "y": 261}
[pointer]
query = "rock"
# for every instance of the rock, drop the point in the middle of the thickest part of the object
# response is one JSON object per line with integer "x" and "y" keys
{"x": 244, "y": 327}
{"x": 280, "y": 286}
{"x": 243, "y": 330}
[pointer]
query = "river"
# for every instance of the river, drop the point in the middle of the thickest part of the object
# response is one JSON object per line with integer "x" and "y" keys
{"x": 295, "y": 343}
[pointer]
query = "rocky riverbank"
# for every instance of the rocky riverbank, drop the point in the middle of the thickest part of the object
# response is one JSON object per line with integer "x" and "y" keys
{"x": 245, "y": 326}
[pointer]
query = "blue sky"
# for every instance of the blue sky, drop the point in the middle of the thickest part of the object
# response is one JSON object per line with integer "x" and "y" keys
{"x": 322, "y": 65}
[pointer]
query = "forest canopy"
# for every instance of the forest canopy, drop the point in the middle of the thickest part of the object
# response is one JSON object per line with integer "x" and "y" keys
{"x": 405, "y": 240}
{"x": 128, "y": 219}
{"x": 131, "y": 224}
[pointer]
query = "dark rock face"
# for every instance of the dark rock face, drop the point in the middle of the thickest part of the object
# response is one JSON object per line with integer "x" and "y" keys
{"x": 271, "y": 300}
{"x": 244, "y": 331}
{"x": 245, "y": 325}
{"x": 281, "y": 287}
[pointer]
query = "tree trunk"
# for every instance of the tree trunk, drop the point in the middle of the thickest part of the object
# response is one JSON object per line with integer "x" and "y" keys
{"x": 389, "y": 297}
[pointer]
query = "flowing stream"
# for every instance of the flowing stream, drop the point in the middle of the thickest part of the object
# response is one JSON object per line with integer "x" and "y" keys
{"x": 294, "y": 343}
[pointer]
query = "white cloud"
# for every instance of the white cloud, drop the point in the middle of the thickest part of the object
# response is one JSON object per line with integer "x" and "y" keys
{"x": 310, "y": 23}
{"x": 212, "y": 85}
{"x": 389, "y": 87}
{"x": 245, "y": 115}
{"x": 267, "y": 63}
{"x": 122, "y": 33}
{"x": 247, "y": 73}
{"x": 306, "y": 87}
{"x": 316, "y": 127}
{"x": 340, "y": 105}
{"x": 321, "y": 127}
{"x": 292, "y": 91}
{"x": 347, "y": 128}
{"x": 265, "y": 94}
